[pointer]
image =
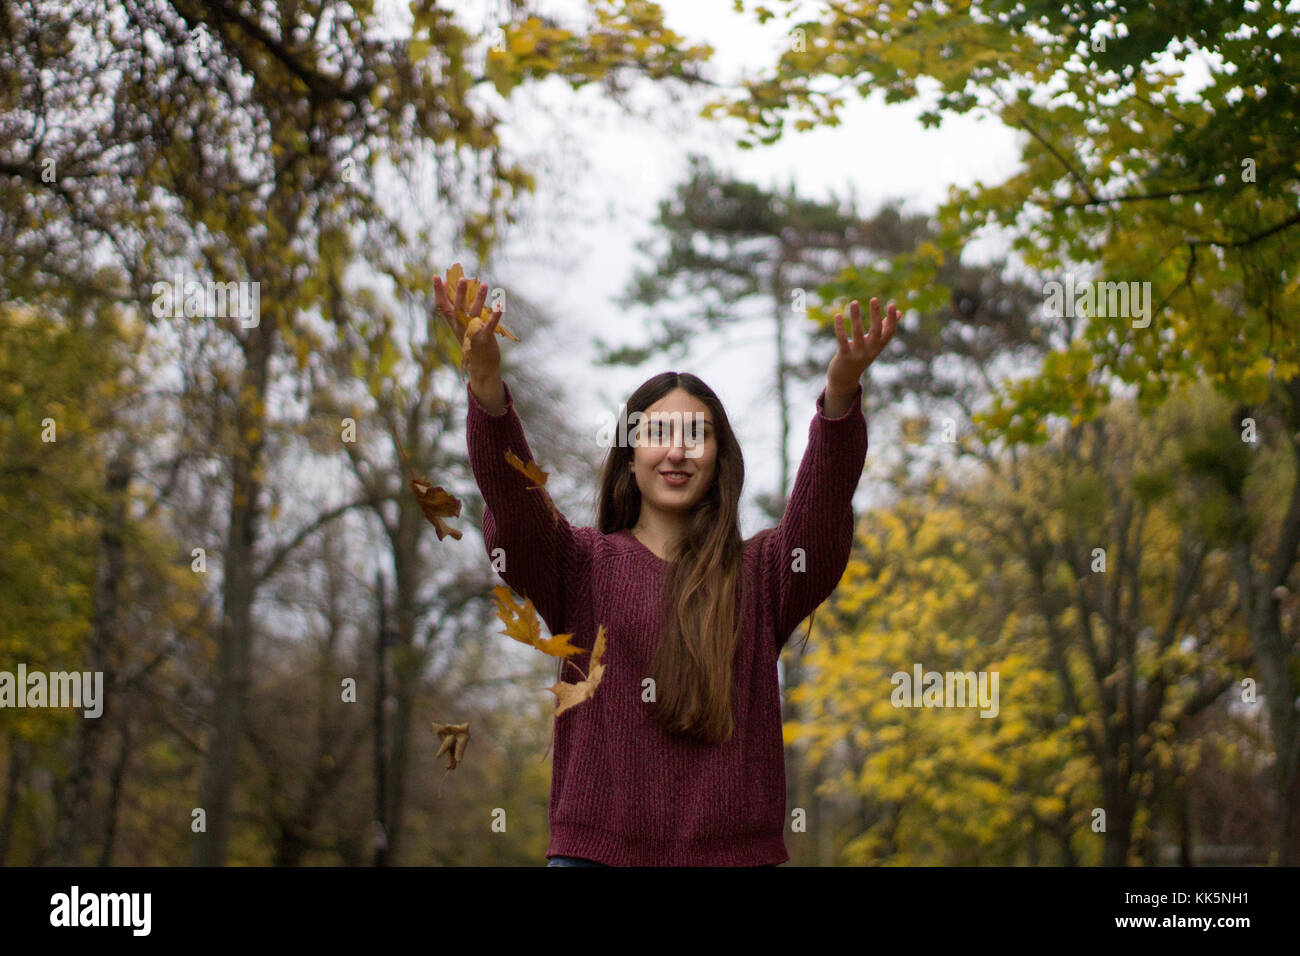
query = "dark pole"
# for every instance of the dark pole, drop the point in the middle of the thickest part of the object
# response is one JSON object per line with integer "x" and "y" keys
{"x": 381, "y": 756}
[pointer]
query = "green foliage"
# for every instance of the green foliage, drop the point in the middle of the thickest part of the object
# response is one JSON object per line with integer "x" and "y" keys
{"x": 58, "y": 378}
{"x": 1120, "y": 177}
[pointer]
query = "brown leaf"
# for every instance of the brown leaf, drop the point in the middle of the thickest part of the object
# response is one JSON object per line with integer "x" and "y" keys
{"x": 533, "y": 472}
{"x": 454, "y": 739}
{"x": 437, "y": 503}
{"x": 570, "y": 695}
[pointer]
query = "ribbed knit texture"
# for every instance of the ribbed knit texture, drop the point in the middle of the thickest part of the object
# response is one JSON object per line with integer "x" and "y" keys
{"x": 624, "y": 792}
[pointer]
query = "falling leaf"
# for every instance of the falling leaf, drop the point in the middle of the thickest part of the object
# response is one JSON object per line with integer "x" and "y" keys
{"x": 472, "y": 323}
{"x": 522, "y": 625}
{"x": 570, "y": 695}
{"x": 533, "y": 473}
{"x": 454, "y": 738}
{"x": 435, "y": 501}
{"x": 531, "y": 469}
{"x": 521, "y": 622}
{"x": 558, "y": 646}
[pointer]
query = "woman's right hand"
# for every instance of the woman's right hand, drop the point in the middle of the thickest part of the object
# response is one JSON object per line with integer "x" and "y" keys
{"x": 484, "y": 355}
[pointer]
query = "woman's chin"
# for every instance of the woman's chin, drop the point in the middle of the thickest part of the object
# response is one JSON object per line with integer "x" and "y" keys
{"x": 677, "y": 505}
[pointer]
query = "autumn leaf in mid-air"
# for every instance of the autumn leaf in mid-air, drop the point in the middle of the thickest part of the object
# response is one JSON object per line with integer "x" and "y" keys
{"x": 531, "y": 470}
{"x": 454, "y": 739}
{"x": 472, "y": 322}
{"x": 533, "y": 473}
{"x": 558, "y": 646}
{"x": 522, "y": 625}
{"x": 435, "y": 501}
{"x": 570, "y": 695}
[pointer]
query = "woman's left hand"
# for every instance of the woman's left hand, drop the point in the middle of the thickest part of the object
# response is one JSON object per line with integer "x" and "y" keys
{"x": 855, "y": 355}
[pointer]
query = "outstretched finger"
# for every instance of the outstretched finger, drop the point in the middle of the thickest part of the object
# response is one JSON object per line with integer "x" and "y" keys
{"x": 442, "y": 302}
{"x": 856, "y": 312}
{"x": 491, "y": 326}
{"x": 839, "y": 332}
{"x": 874, "y": 337}
{"x": 480, "y": 299}
{"x": 891, "y": 323}
{"x": 461, "y": 288}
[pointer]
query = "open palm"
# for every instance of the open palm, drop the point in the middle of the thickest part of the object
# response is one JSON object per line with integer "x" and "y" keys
{"x": 858, "y": 352}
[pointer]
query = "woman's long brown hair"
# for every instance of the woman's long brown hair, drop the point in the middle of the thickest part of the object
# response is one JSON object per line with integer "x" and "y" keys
{"x": 702, "y": 588}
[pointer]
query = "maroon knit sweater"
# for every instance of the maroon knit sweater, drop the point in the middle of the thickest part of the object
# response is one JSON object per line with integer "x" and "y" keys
{"x": 623, "y": 791}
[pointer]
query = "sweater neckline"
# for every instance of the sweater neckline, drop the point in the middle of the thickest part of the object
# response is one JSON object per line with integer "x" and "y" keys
{"x": 640, "y": 544}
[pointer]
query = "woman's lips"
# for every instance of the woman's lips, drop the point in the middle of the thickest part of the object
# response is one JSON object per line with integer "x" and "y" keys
{"x": 676, "y": 481}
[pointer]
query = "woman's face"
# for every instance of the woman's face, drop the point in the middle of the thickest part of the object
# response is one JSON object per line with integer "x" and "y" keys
{"x": 675, "y": 434}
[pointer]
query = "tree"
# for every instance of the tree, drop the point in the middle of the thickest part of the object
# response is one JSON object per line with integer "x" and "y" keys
{"x": 1121, "y": 181}
{"x": 1084, "y": 580}
{"x": 229, "y": 142}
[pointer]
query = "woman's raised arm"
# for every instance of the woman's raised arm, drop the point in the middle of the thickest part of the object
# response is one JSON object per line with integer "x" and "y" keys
{"x": 810, "y": 548}
{"x": 529, "y": 542}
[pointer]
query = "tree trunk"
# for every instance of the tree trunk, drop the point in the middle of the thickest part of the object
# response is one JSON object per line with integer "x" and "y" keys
{"x": 115, "y": 792}
{"x": 408, "y": 662}
{"x": 17, "y": 765}
{"x": 235, "y": 638}
{"x": 75, "y": 798}
{"x": 1261, "y": 594}
{"x": 1183, "y": 798}
{"x": 1271, "y": 655}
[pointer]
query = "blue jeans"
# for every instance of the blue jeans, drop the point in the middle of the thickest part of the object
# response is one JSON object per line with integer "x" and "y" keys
{"x": 571, "y": 861}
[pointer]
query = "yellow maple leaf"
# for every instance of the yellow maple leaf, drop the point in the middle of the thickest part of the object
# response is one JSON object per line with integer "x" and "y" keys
{"x": 558, "y": 646}
{"x": 571, "y": 694}
{"x": 520, "y": 621}
{"x": 522, "y": 625}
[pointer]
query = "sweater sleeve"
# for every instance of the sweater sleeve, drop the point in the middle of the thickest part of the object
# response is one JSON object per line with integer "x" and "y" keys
{"x": 538, "y": 547}
{"x": 809, "y": 550}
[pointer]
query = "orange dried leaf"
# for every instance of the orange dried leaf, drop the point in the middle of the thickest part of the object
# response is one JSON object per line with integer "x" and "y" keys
{"x": 570, "y": 695}
{"x": 530, "y": 470}
{"x": 454, "y": 737}
{"x": 533, "y": 473}
{"x": 558, "y": 646}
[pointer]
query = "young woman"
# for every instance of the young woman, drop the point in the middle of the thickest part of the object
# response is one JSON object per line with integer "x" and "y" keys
{"x": 677, "y": 759}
